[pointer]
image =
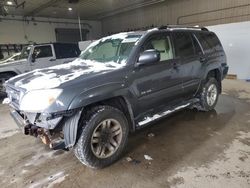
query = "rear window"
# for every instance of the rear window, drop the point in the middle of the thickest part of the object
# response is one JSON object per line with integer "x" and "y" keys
{"x": 209, "y": 42}
{"x": 197, "y": 47}
{"x": 183, "y": 44}
{"x": 66, "y": 51}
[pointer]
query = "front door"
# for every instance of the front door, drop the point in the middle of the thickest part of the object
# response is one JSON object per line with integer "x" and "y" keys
{"x": 44, "y": 56}
{"x": 157, "y": 84}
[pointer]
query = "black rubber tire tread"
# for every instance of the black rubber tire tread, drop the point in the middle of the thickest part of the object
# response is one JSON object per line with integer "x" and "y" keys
{"x": 83, "y": 147}
{"x": 203, "y": 100}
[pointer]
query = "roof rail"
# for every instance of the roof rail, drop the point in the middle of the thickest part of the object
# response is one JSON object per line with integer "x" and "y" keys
{"x": 183, "y": 27}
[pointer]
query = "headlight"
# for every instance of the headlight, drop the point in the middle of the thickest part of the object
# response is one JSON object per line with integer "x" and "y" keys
{"x": 39, "y": 100}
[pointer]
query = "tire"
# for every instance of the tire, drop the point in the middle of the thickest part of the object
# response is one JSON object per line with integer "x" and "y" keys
{"x": 209, "y": 95}
{"x": 89, "y": 152}
{"x": 4, "y": 77}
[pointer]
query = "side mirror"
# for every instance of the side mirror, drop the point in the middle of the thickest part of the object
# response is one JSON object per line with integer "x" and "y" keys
{"x": 148, "y": 57}
{"x": 33, "y": 58}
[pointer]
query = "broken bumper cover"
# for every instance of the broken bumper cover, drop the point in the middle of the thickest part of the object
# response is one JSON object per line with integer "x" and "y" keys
{"x": 40, "y": 120}
{"x": 38, "y": 130}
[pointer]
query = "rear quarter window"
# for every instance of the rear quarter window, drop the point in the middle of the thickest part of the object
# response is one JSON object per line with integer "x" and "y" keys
{"x": 209, "y": 42}
{"x": 64, "y": 51}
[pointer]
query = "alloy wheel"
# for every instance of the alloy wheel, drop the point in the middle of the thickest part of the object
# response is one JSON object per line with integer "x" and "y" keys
{"x": 106, "y": 138}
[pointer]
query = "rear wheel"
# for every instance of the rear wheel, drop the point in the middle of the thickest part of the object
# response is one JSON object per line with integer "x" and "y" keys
{"x": 209, "y": 95}
{"x": 103, "y": 137}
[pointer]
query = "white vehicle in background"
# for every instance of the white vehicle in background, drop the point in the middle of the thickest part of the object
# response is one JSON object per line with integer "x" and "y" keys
{"x": 36, "y": 57}
{"x": 11, "y": 58}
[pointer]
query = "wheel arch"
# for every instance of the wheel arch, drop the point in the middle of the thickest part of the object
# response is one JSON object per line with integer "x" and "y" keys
{"x": 72, "y": 127}
{"x": 119, "y": 102}
{"x": 215, "y": 73}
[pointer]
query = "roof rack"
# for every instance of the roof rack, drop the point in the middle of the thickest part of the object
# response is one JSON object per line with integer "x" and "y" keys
{"x": 183, "y": 27}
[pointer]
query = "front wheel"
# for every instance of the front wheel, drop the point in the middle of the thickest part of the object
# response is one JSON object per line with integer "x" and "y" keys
{"x": 103, "y": 137}
{"x": 209, "y": 95}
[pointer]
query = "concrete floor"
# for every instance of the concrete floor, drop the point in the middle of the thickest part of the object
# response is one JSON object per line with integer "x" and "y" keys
{"x": 189, "y": 149}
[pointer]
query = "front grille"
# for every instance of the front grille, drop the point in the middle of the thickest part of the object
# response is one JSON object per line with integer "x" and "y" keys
{"x": 14, "y": 96}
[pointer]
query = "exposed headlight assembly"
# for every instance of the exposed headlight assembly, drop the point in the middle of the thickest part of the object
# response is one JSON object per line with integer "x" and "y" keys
{"x": 39, "y": 100}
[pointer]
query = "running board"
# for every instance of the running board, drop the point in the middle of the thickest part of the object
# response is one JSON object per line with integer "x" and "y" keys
{"x": 148, "y": 119}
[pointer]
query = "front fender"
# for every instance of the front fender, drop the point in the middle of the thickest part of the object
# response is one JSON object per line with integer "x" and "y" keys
{"x": 97, "y": 94}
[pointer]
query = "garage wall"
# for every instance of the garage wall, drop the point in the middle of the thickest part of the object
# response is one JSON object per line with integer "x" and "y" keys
{"x": 189, "y": 12}
{"x": 19, "y": 32}
{"x": 235, "y": 39}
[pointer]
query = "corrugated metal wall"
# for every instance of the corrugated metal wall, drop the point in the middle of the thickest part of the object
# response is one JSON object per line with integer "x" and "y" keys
{"x": 187, "y": 12}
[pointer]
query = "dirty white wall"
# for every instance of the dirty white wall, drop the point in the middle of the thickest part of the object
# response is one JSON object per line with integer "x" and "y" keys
{"x": 19, "y": 32}
{"x": 235, "y": 38}
{"x": 189, "y": 12}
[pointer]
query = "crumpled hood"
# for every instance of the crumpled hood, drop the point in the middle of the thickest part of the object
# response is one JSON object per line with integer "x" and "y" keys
{"x": 56, "y": 76}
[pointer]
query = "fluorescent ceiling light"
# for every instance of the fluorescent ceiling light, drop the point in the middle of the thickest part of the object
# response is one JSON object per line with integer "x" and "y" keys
{"x": 70, "y": 9}
{"x": 9, "y": 3}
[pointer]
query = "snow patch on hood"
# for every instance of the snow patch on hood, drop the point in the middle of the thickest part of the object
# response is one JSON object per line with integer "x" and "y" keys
{"x": 53, "y": 77}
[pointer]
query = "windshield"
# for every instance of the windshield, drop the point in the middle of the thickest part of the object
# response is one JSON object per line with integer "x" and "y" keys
{"x": 25, "y": 53}
{"x": 115, "y": 49}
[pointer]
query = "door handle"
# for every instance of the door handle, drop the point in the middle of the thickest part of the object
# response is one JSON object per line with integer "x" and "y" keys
{"x": 52, "y": 59}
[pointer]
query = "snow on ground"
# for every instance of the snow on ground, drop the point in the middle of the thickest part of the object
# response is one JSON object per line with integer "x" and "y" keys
{"x": 50, "y": 181}
{"x": 4, "y": 133}
{"x": 41, "y": 156}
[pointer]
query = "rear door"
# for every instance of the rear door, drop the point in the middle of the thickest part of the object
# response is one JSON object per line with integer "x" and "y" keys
{"x": 157, "y": 84}
{"x": 189, "y": 55}
{"x": 44, "y": 56}
{"x": 66, "y": 53}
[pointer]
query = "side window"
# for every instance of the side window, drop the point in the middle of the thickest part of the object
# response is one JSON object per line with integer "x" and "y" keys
{"x": 183, "y": 44}
{"x": 209, "y": 42}
{"x": 43, "y": 51}
{"x": 197, "y": 47}
{"x": 163, "y": 45}
{"x": 66, "y": 51}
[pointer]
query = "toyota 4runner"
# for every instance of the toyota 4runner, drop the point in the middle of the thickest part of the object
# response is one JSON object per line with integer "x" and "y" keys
{"x": 119, "y": 84}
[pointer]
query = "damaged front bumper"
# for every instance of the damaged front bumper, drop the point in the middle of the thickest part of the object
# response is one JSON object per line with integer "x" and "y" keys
{"x": 58, "y": 130}
{"x": 49, "y": 127}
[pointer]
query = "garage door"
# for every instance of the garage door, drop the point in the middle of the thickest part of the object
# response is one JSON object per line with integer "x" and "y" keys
{"x": 70, "y": 35}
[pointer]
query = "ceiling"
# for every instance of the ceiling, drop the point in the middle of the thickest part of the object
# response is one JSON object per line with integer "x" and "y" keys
{"x": 87, "y": 9}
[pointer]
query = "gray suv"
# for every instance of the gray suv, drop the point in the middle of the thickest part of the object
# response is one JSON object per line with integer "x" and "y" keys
{"x": 119, "y": 84}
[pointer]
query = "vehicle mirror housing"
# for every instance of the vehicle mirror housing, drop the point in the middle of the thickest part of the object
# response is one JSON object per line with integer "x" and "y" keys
{"x": 148, "y": 57}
